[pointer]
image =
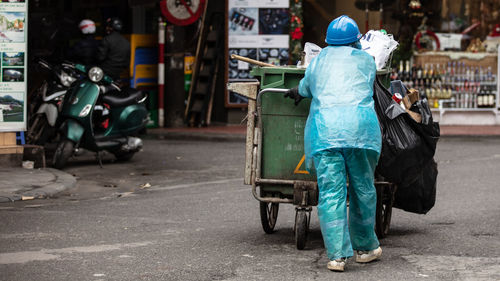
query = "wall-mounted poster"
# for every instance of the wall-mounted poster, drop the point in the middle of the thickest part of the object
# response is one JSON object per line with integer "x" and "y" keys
{"x": 259, "y": 30}
{"x": 13, "y": 68}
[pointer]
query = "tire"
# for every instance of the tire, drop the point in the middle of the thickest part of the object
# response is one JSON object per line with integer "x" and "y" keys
{"x": 39, "y": 130}
{"x": 384, "y": 210}
{"x": 268, "y": 216}
{"x": 63, "y": 152}
{"x": 301, "y": 229}
{"x": 124, "y": 156}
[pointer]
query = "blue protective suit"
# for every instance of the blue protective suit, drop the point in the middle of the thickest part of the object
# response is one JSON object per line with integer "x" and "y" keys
{"x": 343, "y": 138}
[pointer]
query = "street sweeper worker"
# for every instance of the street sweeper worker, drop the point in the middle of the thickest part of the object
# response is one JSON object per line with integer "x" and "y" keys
{"x": 342, "y": 140}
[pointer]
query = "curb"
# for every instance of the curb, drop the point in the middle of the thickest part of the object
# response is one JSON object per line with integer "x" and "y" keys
{"x": 469, "y": 136}
{"x": 62, "y": 182}
{"x": 192, "y": 136}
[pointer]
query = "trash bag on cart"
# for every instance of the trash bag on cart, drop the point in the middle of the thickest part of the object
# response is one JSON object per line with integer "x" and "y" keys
{"x": 407, "y": 145}
{"x": 418, "y": 196}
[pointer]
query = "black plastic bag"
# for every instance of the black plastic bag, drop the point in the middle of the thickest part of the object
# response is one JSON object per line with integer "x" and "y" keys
{"x": 407, "y": 146}
{"x": 418, "y": 196}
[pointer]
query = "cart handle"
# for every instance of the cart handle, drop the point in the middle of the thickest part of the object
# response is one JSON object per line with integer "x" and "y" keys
{"x": 276, "y": 90}
{"x": 268, "y": 90}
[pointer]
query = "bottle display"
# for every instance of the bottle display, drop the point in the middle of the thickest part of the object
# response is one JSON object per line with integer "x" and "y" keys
{"x": 451, "y": 85}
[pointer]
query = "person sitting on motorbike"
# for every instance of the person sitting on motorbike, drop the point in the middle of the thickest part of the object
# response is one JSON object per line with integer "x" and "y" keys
{"x": 84, "y": 51}
{"x": 113, "y": 53}
{"x": 342, "y": 138}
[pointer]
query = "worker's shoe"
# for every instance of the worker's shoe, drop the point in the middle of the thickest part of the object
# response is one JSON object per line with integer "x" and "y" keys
{"x": 368, "y": 256}
{"x": 336, "y": 265}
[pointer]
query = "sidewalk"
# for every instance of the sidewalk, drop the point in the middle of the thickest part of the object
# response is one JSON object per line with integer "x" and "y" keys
{"x": 26, "y": 184}
{"x": 229, "y": 133}
{"x": 472, "y": 131}
{"x": 238, "y": 132}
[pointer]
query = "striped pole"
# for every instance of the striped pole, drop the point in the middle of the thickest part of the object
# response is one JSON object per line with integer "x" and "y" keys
{"x": 161, "y": 72}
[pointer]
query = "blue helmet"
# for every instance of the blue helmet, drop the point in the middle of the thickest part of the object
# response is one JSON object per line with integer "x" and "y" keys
{"x": 342, "y": 31}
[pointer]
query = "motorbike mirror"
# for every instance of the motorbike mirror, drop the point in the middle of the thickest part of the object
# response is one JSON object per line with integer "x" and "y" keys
{"x": 68, "y": 64}
{"x": 44, "y": 64}
{"x": 114, "y": 85}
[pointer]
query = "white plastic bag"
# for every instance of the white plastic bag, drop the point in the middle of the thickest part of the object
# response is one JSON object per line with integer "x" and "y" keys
{"x": 379, "y": 45}
{"x": 311, "y": 50}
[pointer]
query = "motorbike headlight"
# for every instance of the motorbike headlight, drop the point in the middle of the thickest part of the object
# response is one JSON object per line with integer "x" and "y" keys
{"x": 96, "y": 74}
{"x": 66, "y": 79}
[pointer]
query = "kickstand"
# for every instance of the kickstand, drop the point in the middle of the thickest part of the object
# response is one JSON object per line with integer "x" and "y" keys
{"x": 99, "y": 159}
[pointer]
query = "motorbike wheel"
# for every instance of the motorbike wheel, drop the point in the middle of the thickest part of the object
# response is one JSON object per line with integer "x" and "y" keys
{"x": 63, "y": 152}
{"x": 124, "y": 156}
{"x": 39, "y": 130}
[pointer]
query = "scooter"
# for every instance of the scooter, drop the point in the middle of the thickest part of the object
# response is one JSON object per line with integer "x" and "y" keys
{"x": 46, "y": 102}
{"x": 99, "y": 116}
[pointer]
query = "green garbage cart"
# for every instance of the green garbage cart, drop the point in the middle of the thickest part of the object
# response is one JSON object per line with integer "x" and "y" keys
{"x": 275, "y": 160}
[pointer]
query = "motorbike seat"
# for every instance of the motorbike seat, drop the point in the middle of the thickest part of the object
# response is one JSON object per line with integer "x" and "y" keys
{"x": 127, "y": 96}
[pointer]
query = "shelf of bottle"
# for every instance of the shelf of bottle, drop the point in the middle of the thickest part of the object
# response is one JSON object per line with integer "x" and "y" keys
{"x": 442, "y": 107}
{"x": 491, "y": 109}
{"x": 459, "y": 84}
{"x": 454, "y": 84}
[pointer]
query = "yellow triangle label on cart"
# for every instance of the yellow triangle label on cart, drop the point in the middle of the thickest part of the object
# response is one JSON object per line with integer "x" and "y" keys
{"x": 298, "y": 170}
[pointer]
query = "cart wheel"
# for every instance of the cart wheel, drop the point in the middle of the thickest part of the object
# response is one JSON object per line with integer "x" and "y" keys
{"x": 301, "y": 228}
{"x": 384, "y": 210}
{"x": 268, "y": 216}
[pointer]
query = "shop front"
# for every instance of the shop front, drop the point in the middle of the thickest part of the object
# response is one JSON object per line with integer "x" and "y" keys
{"x": 453, "y": 60}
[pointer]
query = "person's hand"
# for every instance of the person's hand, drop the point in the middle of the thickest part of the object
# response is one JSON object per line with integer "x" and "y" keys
{"x": 293, "y": 93}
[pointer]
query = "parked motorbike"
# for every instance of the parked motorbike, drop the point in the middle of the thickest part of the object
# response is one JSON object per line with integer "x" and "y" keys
{"x": 46, "y": 103}
{"x": 99, "y": 116}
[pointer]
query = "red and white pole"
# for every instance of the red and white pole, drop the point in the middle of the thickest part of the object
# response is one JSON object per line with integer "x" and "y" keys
{"x": 161, "y": 72}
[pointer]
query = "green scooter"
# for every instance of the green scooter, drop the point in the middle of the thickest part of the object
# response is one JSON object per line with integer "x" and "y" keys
{"x": 98, "y": 116}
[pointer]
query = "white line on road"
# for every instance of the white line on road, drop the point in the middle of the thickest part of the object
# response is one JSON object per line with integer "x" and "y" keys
{"x": 51, "y": 254}
{"x": 179, "y": 186}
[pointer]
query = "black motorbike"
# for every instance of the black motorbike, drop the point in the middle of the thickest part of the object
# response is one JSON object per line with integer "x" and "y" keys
{"x": 46, "y": 101}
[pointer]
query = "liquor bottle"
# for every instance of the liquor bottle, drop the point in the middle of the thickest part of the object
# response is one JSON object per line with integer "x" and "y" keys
{"x": 244, "y": 24}
{"x": 250, "y": 24}
{"x": 407, "y": 74}
{"x": 480, "y": 98}
{"x": 454, "y": 74}
{"x": 419, "y": 72}
{"x": 394, "y": 74}
{"x": 400, "y": 70}
{"x": 414, "y": 73}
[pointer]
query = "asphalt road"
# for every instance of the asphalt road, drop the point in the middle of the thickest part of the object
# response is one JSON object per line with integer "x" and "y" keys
{"x": 179, "y": 211}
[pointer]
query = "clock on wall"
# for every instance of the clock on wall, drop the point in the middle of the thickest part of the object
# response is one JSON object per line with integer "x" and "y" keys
{"x": 182, "y": 12}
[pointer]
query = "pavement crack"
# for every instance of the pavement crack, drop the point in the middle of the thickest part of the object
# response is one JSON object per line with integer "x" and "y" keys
{"x": 315, "y": 265}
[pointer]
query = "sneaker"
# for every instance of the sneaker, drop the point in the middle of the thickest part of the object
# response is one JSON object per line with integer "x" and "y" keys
{"x": 336, "y": 265}
{"x": 368, "y": 256}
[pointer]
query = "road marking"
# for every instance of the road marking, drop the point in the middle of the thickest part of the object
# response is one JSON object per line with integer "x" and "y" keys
{"x": 54, "y": 254}
{"x": 179, "y": 186}
{"x": 468, "y": 268}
